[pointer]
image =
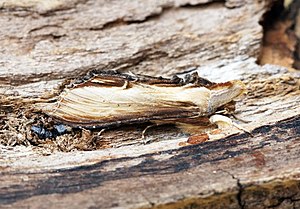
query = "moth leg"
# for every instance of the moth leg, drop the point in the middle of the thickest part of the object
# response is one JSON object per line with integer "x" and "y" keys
{"x": 240, "y": 119}
{"x": 222, "y": 121}
{"x": 100, "y": 132}
{"x": 144, "y": 132}
{"x": 125, "y": 86}
{"x": 58, "y": 104}
{"x": 98, "y": 135}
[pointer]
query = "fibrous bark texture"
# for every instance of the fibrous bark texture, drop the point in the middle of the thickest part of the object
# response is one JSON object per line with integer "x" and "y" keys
{"x": 47, "y": 44}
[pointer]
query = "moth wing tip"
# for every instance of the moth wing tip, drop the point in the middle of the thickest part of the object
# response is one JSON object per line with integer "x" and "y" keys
{"x": 240, "y": 84}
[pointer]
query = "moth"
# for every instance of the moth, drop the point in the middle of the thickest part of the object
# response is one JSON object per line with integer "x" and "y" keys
{"x": 110, "y": 99}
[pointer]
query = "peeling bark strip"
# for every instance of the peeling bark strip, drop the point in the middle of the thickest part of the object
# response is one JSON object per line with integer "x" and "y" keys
{"x": 111, "y": 99}
{"x": 159, "y": 168}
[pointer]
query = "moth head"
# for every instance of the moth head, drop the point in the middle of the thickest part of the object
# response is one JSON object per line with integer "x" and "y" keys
{"x": 225, "y": 93}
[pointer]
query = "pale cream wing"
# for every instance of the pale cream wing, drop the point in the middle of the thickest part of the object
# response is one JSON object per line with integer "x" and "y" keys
{"x": 105, "y": 106}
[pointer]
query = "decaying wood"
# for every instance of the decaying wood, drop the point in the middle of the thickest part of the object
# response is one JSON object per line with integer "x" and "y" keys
{"x": 280, "y": 41}
{"x": 231, "y": 172}
{"x": 153, "y": 37}
{"x": 46, "y": 45}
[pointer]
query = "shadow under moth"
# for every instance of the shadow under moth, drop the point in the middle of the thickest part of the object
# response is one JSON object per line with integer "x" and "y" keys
{"x": 110, "y": 99}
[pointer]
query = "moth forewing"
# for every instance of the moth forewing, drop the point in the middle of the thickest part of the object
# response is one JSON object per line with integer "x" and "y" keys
{"x": 112, "y": 100}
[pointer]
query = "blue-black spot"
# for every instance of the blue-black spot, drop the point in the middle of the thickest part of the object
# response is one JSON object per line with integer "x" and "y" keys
{"x": 44, "y": 133}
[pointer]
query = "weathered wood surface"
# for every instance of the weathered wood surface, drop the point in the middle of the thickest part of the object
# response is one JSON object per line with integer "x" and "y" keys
{"x": 45, "y": 43}
{"x": 231, "y": 172}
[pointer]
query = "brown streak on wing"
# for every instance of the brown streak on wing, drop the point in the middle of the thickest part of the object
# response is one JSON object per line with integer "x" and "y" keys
{"x": 91, "y": 122}
{"x": 220, "y": 85}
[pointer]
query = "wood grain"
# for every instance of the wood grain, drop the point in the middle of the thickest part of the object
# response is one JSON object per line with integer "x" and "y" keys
{"x": 46, "y": 44}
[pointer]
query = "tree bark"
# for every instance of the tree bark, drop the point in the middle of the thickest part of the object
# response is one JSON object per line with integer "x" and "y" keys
{"x": 46, "y": 44}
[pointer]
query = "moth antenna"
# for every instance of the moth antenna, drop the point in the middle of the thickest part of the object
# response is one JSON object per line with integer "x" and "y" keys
{"x": 133, "y": 75}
